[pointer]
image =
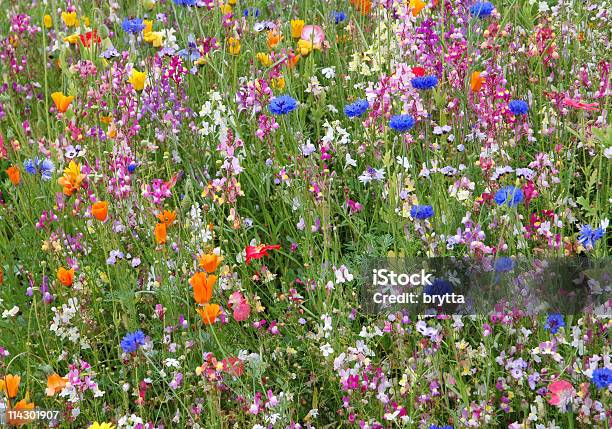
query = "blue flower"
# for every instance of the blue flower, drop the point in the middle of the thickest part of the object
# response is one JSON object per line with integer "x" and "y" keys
{"x": 589, "y": 236}
{"x": 518, "y": 107}
{"x": 440, "y": 427}
{"x": 424, "y": 82}
{"x": 439, "y": 287}
{"x": 554, "y": 322}
{"x": 510, "y": 196}
{"x": 132, "y": 341}
{"x": 356, "y": 108}
{"x": 602, "y": 377}
{"x": 481, "y": 9}
{"x": 44, "y": 167}
{"x": 282, "y": 104}
{"x": 422, "y": 212}
{"x": 338, "y": 16}
{"x": 504, "y": 264}
{"x": 402, "y": 123}
{"x": 185, "y": 2}
{"x": 134, "y": 26}
{"x": 251, "y": 11}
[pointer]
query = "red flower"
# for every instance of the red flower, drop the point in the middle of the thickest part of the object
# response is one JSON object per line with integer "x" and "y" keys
{"x": 90, "y": 36}
{"x": 418, "y": 71}
{"x": 233, "y": 366}
{"x": 258, "y": 252}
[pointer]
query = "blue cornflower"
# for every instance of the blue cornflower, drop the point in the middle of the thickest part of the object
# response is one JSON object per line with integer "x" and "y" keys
{"x": 440, "y": 427}
{"x": 282, "y": 104}
{"x": 191, "y": 52}
{"x": 554, "y": 322}
{"x": 422, "y": 212}
{"x": 185, "y": 2}
{"x": 518, "y": 107}
{"x": 602, "y": 377}
{"x": 424, "y": 82}
{"x": 439, "y": 287}
{"x": 504, "y": 264}
{"x": 402, "y": 123}
{"x": 132, "y": 341}
{"x": 251, "y": 11}
{"x": 482, "y": 9}
{"x": 44, "y": 167}
{"x": 588, "y": 235}
{"x": 338, "y": 16}
{"x": 134, "y": 26}
{"x": 510, "y": 196}
{"x": 356, "y": 108}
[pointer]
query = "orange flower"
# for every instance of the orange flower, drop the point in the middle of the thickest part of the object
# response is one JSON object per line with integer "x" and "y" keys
{"x": 167, "y": 217}
{"x": 274, "y": 38}
{"x": 209, "y": 313}
{"x": 416, "y": 6}
{"x": 66, "y": 277}
{"x": 99, "y": 210}
{"x": 72, "y": 178}
{"x": 22, "y": 405}
{"x": 476, "y": 81}
{"x": 61, "y": 101}
{"x": 210, "y": 262}
{"x": 363, "y": 6}
{"x": 202, "y": 285}
{"x": 13, "y": 175}
{"x": 10, "y": 385}
{"x": 55, "y": 384}
{"x": 161, "y": 234}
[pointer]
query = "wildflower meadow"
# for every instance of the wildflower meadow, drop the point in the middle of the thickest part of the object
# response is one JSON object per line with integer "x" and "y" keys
{"x": 194, "y": 195}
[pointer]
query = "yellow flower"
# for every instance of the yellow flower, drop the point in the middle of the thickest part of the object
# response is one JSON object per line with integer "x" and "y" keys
{"x": 72, "y": 178}
{"x": 97, "y": 425}
{"x": 278, "y": 83}
{"x": 296, "y": 28}
{"x": 232, "y": 2}
{"x": 264, "y": 59}
{"x": 233, "y": 45}
{"x": 48, "y": 21}
{"x": 304, "y": 47}
{"x": 73, "y": 39}
{"x": 416, "y": 6}
{"x": 137, "y": 79}
{"x": 226, "y": 9}
{"x": 86, "y": 21}
{"x": 155, "y": 38}
{"x": 148, "y": 23}
{"x": 70, "y": 19}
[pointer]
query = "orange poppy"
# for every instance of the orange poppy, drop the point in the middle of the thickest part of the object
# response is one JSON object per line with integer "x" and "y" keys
{"x": 210, "y": 262}
{"x": 99, "y": 210}
{"x": 55, "y": 384}
{"x": 10, "y": 385}
{"x": 274, "y": 38}
{"x": 167, "y": 217}
{"x": 161, "y": 233}
{"x": 62, "y": 102}
{"x": 202, "y": 285}
{"x": 20, "y": 420}
{"x": 13, "y": 175}
{"x": 72, "y": 178}
{"x": 209, "y": 313}
{"x": 66, "y": 277}
{"x": 476, "y": 81}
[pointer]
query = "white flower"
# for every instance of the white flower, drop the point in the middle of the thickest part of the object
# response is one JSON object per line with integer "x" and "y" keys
{"x": 326, "y": 349}
{"x": 329, "y": 72}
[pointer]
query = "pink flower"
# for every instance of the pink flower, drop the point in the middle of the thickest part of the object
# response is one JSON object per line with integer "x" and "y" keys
{"x": 314, "y": 34}
{"x": 242, "y": 309}
{"x": 561, "y": 393}
{"x": 590, "y": 107}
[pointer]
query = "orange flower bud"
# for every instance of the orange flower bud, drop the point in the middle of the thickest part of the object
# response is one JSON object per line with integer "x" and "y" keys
{"x": 161, "y": 233}
{"x": 13, "y": 175}
{"x": 99, "y": 210}
{"x": 66, "y": 277}
{"x": 202, "y": 285}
